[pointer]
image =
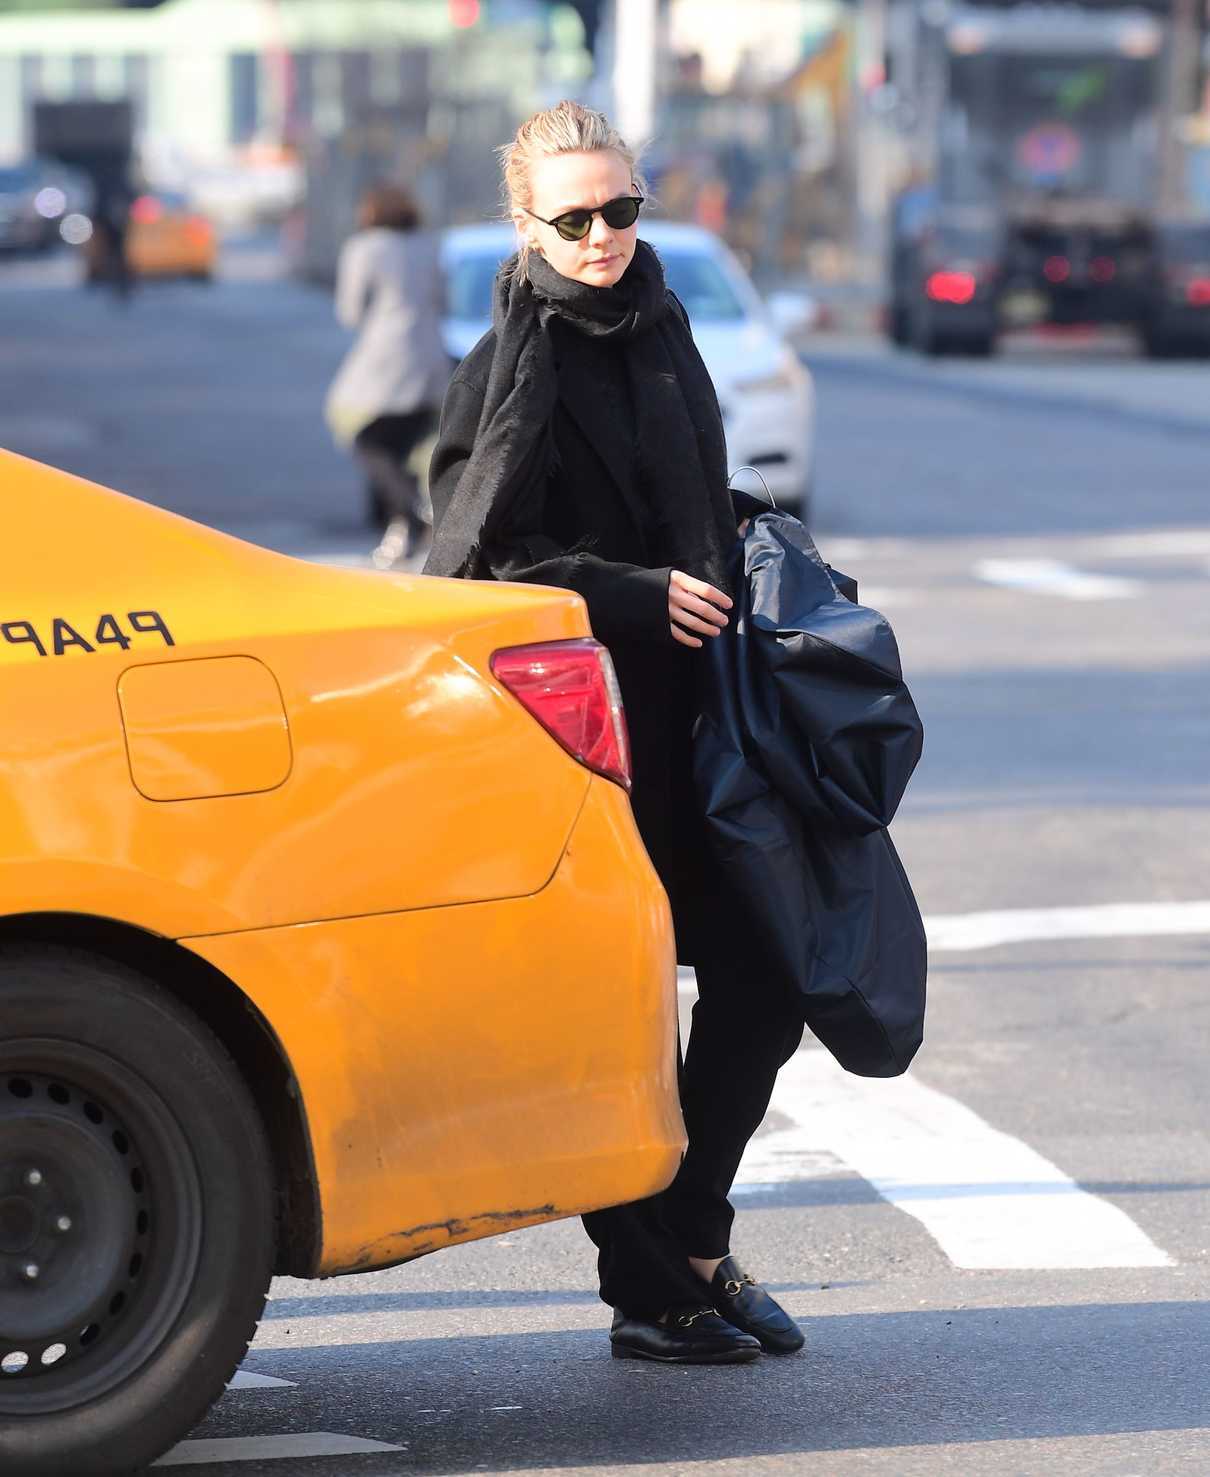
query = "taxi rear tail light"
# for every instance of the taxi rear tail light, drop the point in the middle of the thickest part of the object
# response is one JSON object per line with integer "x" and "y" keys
{"x": 571, "y": 688}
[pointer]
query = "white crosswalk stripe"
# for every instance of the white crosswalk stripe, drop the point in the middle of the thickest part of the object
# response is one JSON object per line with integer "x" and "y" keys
{"x": 269, "y": 1448}
{"x": 1054, "y": 577}
{"x": 244, "y": 1379}
{"x": 986, "y": 1198}
{"x": 962, "y": 931}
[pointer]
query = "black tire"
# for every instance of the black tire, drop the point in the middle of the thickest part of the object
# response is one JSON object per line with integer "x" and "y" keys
{"x": 927, "y": 337}
{"x": 899, "y": 324}
{"x": 1157, "y": 344}
{"x": 135, "y": 1178}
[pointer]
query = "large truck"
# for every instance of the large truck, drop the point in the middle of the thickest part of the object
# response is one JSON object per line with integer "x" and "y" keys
{"x": 93, "y": 135}
{"x": 1049, "y": 180}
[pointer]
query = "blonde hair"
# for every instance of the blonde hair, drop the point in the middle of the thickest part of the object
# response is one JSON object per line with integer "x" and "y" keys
{"x": 567, "y": 128}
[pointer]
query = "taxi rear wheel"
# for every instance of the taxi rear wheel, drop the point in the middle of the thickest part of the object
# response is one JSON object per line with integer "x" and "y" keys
{"x": 136, "y": 1216}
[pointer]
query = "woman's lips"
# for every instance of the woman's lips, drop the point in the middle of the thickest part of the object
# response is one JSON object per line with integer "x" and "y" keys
{"x": 603, "y": 261}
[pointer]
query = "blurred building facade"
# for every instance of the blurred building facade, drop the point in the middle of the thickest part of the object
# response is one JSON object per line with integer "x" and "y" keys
{"x": 210, "y": 75}
{"x": 213, "y": 81}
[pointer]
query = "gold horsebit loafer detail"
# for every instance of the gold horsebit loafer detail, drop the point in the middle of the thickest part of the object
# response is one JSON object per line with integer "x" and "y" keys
{"x": 741, "y": 1300}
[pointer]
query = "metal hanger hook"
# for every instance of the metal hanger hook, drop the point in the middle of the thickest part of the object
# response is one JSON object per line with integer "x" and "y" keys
{"x": 756, "y": 472}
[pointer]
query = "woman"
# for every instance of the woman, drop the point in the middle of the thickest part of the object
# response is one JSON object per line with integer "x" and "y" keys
{"x": 581, "y": 445}
{"x": 385, "y": 397}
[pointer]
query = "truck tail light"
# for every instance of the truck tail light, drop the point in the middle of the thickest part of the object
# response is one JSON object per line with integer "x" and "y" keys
{"x": 571, "y": 688}
{"x": 1197, "y": 291}
{"x": 951, "y": 287}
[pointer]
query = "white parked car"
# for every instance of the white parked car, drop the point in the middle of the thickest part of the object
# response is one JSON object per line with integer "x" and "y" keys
{"x": 766, "y": 393}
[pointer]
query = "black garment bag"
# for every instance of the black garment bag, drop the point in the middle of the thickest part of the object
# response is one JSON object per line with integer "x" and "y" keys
{"x": 807, "y": 739}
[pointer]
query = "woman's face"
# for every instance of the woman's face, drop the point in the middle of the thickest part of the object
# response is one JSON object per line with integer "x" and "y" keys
{"x": 565, "y": 182}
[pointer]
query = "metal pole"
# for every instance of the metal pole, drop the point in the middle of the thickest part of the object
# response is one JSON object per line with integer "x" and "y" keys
{"x": 1181, "y": 64}
{"x": 871, "y": 24}
{"x": 636, "y": 42}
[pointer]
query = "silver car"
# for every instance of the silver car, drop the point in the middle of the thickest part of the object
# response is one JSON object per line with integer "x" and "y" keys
{"x": 766, "y": 393}
{"x": 36, "y": 196}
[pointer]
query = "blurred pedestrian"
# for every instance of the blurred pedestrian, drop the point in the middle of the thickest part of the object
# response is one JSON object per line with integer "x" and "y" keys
{"x": 386, "y": 395}
{"x": 581, "y": 445}
{"x": 109, "y": 260}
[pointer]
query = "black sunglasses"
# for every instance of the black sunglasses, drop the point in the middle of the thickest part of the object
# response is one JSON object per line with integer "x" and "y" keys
{"x": 574, "y": 225}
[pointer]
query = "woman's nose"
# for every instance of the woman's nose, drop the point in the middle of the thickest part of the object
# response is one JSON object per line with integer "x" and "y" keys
{"x": 600, "y": 236}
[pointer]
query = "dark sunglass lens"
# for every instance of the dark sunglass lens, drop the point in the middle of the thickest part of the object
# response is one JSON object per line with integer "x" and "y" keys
{"x": 575, "y": 225}
{"x": 621, "y": 213}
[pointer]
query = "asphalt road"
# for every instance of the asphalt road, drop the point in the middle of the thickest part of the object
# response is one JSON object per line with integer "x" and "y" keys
{"x": 1002, "y": 1261}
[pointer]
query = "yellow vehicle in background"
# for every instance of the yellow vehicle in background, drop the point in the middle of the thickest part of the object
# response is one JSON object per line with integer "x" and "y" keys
{"x": 168, "y": 238}
{"x": 327, "y": 940}
{"x": 165, "y": 237}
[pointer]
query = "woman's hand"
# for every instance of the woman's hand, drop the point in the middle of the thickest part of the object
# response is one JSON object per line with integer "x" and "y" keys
{"x": 693, "y": 605}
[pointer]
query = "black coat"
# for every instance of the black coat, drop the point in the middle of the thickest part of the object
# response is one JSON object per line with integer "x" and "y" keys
{"x": 597, "y": 512}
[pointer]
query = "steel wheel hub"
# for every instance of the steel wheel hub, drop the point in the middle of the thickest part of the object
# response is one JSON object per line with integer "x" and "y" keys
{"x": 100, "y": 1223}
{"x": 72, "y": 1215}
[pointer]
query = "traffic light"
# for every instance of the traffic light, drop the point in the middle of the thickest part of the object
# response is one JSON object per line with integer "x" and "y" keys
{"x": 464, "y": 14}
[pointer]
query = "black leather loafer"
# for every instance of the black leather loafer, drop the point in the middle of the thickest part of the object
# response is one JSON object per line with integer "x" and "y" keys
{"x": 746, "y": 1305}
{"x": 684, "y": 1336}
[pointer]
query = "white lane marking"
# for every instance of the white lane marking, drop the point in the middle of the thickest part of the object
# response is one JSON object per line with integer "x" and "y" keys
{"x": 342, "y": 559}
{"x": 840, "y": 549}
{"x": 1150, "y": 543}
{"x": 956, "y": 933}
{"x": 782, "y": 1157}
{"x": 1142, "y": 543}
{"x": 244, "y": 1379}
{"x": 1053, "y": 577}
{"x": 986, "y": 1198}
{"x": 962, "y": 931}
{"x": 878, "y": 596}
{"x": 268, "y": 1448}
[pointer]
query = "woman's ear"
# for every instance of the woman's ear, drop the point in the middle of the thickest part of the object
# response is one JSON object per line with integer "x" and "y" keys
{"x": 526, "y": 235}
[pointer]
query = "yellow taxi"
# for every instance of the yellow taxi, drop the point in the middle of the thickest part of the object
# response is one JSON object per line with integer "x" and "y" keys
{"x": 327, "y": 940}
{"x": 167, "y": 238}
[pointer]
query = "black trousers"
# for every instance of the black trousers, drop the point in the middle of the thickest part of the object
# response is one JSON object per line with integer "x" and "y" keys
{"x": 382, "y": 447}
{"x": 743, "y": 1031}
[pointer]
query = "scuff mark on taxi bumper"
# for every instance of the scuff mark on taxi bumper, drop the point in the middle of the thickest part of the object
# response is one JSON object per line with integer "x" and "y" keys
{"x": 457, "y": 1228}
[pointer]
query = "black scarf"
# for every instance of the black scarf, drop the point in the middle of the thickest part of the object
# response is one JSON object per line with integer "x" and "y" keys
{"x": 500, "y": 495}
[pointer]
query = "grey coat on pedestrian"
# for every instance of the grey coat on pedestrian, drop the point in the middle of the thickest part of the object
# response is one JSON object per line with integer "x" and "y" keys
{"x": 390, "y": 288}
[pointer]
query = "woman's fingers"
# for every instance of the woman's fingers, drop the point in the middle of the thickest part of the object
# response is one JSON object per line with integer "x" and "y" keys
{"x": 682, "y": 581}
{"x": 692, "y": 623}
{"x": 694, "y": 605}
{"x": 683, "y": 637}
